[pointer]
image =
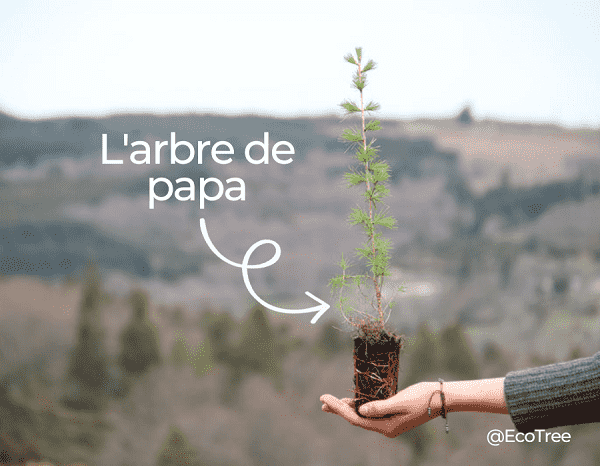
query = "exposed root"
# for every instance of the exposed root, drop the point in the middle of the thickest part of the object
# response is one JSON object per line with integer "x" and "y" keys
{"x": 375, "y": 378}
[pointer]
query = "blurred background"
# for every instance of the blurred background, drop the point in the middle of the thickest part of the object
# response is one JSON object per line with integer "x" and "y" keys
{"x": 125, "y": 341}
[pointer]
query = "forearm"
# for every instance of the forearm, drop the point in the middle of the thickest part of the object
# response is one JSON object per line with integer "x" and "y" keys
{"x": 554, "y": 395}
{"x": 483, "y": 396}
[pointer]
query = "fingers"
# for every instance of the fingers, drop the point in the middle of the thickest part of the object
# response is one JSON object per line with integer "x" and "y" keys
{"x": 325, "y": 407}
{"x": 343, "y": 408}
{"x": 379, "y": 408}
{"x": 348, "y": 401}
{"x": 328, "y": 401}
{"x": 334, "y": 405}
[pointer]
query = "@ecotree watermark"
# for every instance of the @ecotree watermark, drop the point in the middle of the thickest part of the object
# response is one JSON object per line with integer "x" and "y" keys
{"x": 496, "y": 436}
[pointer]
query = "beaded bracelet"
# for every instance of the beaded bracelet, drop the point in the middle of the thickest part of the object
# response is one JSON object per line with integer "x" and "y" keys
{"x": 441, "y": 392}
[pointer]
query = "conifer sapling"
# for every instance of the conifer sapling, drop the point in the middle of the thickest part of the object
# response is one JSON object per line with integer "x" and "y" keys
{"x": 370, "y": 174}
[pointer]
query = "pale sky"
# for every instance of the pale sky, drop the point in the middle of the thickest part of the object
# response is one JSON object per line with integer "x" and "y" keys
{"x": 525, "y": 60}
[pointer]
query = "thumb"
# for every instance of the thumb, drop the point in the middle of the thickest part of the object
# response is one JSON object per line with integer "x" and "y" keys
{"x": 377, "y": 408}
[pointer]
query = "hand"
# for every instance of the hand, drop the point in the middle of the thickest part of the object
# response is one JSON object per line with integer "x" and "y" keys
{"x": 394, "y": 416}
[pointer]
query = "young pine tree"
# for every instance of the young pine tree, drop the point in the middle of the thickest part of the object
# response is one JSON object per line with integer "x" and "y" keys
{"x": 371, "y": 174}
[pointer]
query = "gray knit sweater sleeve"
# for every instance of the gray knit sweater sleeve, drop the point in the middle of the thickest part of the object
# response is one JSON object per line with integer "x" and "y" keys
{"x": 560, "y": 394}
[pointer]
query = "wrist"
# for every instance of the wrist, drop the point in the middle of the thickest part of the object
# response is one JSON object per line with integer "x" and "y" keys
{"x": 438, "y": 393}
{"x": 434, "y": 399}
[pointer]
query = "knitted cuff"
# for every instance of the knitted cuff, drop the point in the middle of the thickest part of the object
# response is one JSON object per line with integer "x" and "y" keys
{"x": 560, "y": 394}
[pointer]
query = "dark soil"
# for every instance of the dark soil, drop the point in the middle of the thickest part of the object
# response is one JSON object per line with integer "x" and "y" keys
{"x": 376, "y": 365}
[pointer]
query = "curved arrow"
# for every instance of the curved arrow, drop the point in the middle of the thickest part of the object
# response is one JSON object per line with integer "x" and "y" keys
{"x": 320, "y": 309}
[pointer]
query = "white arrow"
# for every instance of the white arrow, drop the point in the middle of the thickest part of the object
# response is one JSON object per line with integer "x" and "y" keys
{"x": 320, "y": 309}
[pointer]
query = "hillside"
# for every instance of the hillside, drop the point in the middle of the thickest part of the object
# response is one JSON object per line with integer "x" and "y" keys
{"x": 251, "y": 420}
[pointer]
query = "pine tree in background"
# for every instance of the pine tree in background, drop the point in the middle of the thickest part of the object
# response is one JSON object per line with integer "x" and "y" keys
{"x": 257, "y": 351}
{"x": 458, "y": 357}
{"x": 218, "y": 328}
{"x": 176, "y": 451}
{"x": 87, "y": 373}
{"x": 329, "y": 343}
{"x": 495, "y": 363}
{"x": 179, "y": 352}
{"x": 260, "y": 349}
{"x": 198, "y": 358}
{"x": 92, "y": 295}
{"x": 419, "y": 440}
{"x": 258, "y": 345}
{"x": 424, "y": 357}
{"x": 286, "y": 343}
{"x": 177, "y": 317}
{"x": 139, "y": 341}
{"x": 202, "y": 358}
{"x": 17, "y": 435}
{"x": 446, "y": 354}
